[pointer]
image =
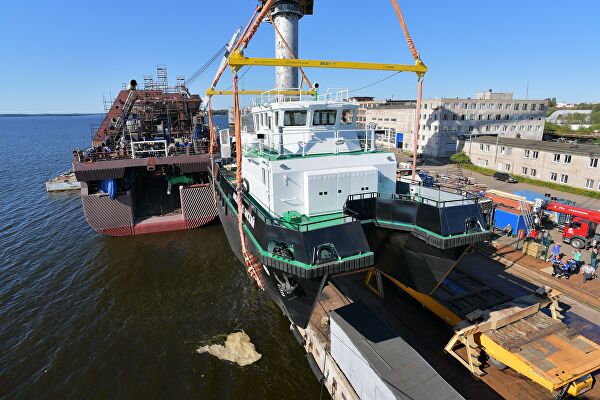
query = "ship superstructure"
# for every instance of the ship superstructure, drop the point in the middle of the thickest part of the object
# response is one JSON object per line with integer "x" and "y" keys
{"x": 146, "y": 171}
{"x": 320, "y": 198}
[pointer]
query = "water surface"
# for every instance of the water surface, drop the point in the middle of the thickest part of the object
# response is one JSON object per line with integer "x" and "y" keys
{"x": 90, "y": 316}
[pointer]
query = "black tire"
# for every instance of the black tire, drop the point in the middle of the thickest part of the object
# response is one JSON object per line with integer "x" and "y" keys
{"x": 577, "y": 243}
{"x": 496, "y": 364}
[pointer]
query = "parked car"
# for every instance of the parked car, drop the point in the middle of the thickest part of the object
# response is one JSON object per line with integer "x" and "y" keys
{"x": 505, "y": 177}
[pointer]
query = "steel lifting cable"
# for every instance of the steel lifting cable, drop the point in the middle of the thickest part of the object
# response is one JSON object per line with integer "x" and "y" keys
{"x": 248, "y": 259}
{"x": 290, "y": 50}
{"x": 417, "y": 58}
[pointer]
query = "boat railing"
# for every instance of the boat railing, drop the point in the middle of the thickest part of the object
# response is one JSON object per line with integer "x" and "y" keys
{"x": 419, "y": 196}
{"x": 283, "y": 96}
{"x": 335, "y": 95}
{"x": 136, "y": 150}
{"x": 309, "y": 143}
{"x": 150, "y": 147}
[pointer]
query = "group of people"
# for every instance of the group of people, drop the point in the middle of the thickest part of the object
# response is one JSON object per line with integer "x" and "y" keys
{"x": 563, "y": 266}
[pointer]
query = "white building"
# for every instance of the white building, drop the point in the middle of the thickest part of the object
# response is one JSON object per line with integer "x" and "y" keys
{"x": 443, "y": 121}
{"x": 576, "y": 165}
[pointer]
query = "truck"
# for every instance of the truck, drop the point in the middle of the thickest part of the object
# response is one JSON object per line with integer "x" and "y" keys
{"x": 582, "y": 230}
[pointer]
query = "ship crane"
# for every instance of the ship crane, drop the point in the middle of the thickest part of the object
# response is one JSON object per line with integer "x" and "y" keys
{"x": 582, "y": 230}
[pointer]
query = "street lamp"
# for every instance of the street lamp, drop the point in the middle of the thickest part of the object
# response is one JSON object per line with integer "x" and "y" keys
{"x": 496, "y": 152}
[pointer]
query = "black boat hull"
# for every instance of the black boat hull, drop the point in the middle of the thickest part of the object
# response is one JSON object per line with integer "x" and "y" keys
{"x": 299, "y": 304}
{"x": 410, "y": 260}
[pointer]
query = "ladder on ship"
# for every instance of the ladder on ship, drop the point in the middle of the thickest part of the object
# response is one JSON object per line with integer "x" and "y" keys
{"x": 126, "y": 109}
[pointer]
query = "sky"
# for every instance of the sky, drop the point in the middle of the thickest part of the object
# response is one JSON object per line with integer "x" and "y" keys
{"x": 61, "y": 56}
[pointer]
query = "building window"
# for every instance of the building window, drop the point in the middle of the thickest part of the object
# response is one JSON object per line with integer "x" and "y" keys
{"x": 425, "y": 106}
{"x": 553, "y": 176}
{"x": 512, "y": 128}
{"x": 480, "y": 117}
{"x": 393, "y": 119}
{"x": 535, "y": 154}
{"x": 556, "y": 158}
{"x": 533, "y": 107}
{"x": 589, "y": 183}
{"x": 502, "y": 149}
{"x": 506, "y": 117}
{"x": 524, "y": 106}
{"x": 533, "y": 172}
{"x": 490, "y": 117}
{"x": 567, "y": 159}
{"x": 564, "y": 178}
{"x": 593, "y": 162}
{"x": 525, "y": 153}
{"x": 472, "y": 117}
{"x": 462, "y": 117}
{"x": 523, "y": 170}
{"x": 516, "y": 106}
{"x": 483, "y": 163}
{"x": 498, "y": 117}
{"x": 506, "y": 167}
{"x": 445, "y": 129}
{"x": 487, "y": 128}
{"x": 542, "y": 106}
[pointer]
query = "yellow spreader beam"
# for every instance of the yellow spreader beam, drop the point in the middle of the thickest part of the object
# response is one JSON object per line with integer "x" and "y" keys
{"x": 212, "y": 92}
{"x": 237, "y": 60}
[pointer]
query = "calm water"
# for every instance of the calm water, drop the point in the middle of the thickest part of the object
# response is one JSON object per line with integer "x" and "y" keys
{"x": 90, "y": 316}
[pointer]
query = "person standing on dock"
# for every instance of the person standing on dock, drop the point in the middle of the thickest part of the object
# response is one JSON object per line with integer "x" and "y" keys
{"x": 588, "y": 273}
{"x": 594, "y": 257}
{"x": 555, "y": 251}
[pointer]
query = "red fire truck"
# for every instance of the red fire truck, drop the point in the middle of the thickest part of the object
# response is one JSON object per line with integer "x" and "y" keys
{"x": 581, "y": 231}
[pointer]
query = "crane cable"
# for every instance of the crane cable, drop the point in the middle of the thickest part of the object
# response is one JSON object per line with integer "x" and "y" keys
{"x": 290, "y": 50}
{"x": 417, "y": 58}
{"x": 249, "y": 260}
{"x": 204, "y": 67}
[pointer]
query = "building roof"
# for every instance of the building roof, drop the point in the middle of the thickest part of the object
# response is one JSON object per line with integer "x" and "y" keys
{"x": 557, "y": 147}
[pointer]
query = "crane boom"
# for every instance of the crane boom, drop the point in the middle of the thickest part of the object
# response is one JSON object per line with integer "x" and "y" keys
{"x": 592, "y": 215}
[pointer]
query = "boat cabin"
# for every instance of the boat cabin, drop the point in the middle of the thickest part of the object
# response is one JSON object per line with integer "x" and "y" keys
{"x": 306, "y": 157}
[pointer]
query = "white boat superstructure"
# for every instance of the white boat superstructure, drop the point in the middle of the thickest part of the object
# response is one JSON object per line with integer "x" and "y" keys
{"x": 305, "y": 156}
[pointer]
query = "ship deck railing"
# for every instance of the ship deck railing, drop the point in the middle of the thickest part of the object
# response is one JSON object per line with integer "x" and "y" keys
{"x": 142, "y": 149}
{"x": 313, "y": 143}
{"x": 437, "y": 197}
{"x": 283, "y": 96}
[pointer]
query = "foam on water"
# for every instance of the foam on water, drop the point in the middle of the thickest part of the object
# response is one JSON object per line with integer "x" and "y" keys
{"x": 237, "y": 348}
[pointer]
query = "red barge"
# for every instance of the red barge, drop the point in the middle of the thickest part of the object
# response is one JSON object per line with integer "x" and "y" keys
{"x": 147, "y": 169}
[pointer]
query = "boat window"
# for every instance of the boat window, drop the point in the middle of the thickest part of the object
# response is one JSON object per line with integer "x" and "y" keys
{"x": 324, "y": 117}
{"x": 276, "y": 118}
{"x": 262, "y": 119}
{"x": 347, "y": 117}
{"x": 294, "y": 118}
{"x": 270, "y": 121}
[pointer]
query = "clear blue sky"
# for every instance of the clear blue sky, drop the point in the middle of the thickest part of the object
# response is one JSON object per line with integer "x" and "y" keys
{"x": 60, "y": 56}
